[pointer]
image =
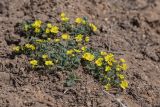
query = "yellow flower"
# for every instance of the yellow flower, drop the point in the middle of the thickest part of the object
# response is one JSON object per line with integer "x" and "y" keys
{"x": 39, "y": 40}
{"x": 37, "y": 30}
{"x": 44, "y": 56}
{"x": 88, "y": 56}
{"x": 124, "y": 67}
{"x": 48, "y": 39}
{"x": 120, "y": 76}
{"x": 16, "y": 48}
{"x": 124, "y": 84}
{"x": 65, "y": 19}
{"x": 34, "y": 62}
{"x": 47, "y": 30}
{"x": 54, "y": 29}
{"x": 87, "y": 38}
{"x": 122, "y": 60}
{"x": 49, "y": 25}
{"x": 110, "y": 63}
{"x": 79, "y": 38}
{"x": 37, "y": 24}
{"x": 69, "y": 52}
{"x": 80, "y": 20}
{"x": 48, "y": 63}
{"x": 118, "y": 68}
{"x": 84, "y": 48}
{"x": 103, "y": 53}
{"x": 99, "y": 61}
{"x": 109, "y": 59}
{"x": 30, "y": 46}
{"x": 107, "y": 68}
{"x": 62, "y": 14}
{"x": 77, "y": 50}
{"x": 107, "y": 87}
{"x": 65, "y": 36}
{"x": 94, "y": 28}
{"x": 73, "y": 54}
{"x": 56, "y": 40}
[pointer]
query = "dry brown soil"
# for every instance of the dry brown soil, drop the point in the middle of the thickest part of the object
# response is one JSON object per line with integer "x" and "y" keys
{"x": 129, "y": 28}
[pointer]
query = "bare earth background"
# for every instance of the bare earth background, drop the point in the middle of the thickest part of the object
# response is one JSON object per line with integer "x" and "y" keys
{"x": 130, "y": 28}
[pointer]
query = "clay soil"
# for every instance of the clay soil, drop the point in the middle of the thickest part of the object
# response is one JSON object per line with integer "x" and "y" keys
{"x": 128, "y": 28}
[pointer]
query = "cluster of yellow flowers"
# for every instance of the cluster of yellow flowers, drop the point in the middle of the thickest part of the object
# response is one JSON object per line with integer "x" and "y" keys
{"x": 124, "y": 84}
{"x": 51, "y": 29}
{"x": 79, "y": 37}
{"x": 64, "y": 18}
{"x": 46, "y": 60}
{"x": 48, "y": 63}
{"x": 65, "y": 36}
{"x": 27, "y": 46}
{"x": 99, "y": 61}
{"x": 37, "y": 26}
{"x": 30, "y": 46}
{"x": 109, "y": 63}
{"x": 34, "y": 63}
{"x": 88, "y": 56}
{"x": 53, "y": 45}
{"x": 72, "y": 52}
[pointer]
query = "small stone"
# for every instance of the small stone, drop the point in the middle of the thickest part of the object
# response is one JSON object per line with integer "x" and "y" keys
{"x": 151, "y": 17}
{"x": 103, "y": 28}
{"x": 106, "y": 19}
{"x": 89, "y": 103}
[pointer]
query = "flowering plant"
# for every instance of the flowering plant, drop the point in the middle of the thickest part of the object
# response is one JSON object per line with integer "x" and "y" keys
{"x": 64, "y": 47}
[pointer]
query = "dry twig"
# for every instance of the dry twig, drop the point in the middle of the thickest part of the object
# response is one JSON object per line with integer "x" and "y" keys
{"x": 116, "y": 99}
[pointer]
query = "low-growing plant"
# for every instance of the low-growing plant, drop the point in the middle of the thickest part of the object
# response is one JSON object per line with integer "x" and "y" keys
{"x": 71, "y": 80}
{"x": 63, "y": 46}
